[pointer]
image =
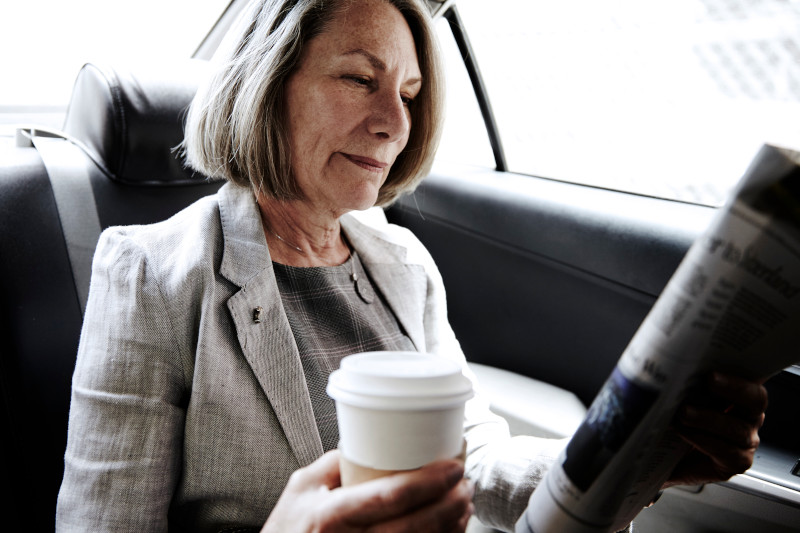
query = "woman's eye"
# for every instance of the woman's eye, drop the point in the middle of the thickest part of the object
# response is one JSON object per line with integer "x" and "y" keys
{"x": 407, "y": 100}
{"x": 359, "y": 80}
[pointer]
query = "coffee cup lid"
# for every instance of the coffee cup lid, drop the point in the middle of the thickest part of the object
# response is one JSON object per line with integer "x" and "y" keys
{"x": 399, "y": 381}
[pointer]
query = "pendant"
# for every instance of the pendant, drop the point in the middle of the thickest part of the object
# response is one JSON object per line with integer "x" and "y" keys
{"x": 363, "y": 288}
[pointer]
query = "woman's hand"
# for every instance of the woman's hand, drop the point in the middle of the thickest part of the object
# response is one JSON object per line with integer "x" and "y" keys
{"x": 722, "y": 428}
{"x": 433, "y": 498}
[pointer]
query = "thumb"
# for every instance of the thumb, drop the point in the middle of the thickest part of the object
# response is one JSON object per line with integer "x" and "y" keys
{"x": 323, "y": 471}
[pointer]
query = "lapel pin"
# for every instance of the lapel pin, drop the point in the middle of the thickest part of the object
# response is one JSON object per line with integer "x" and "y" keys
{"x": 257, "y": 314}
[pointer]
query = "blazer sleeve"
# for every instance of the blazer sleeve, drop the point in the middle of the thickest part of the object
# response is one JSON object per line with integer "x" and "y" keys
{"x": 128, "y": 393}
{"x": 505, "y": 469}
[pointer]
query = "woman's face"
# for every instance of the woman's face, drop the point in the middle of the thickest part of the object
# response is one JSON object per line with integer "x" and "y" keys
{"x": 348, "y": 106}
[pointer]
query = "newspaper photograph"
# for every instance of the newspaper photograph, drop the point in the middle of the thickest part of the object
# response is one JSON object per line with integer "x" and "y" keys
{"x": 733, "y": 305}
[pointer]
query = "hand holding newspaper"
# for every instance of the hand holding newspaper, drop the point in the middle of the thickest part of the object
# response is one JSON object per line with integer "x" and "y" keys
{"x": 733, "y": 305}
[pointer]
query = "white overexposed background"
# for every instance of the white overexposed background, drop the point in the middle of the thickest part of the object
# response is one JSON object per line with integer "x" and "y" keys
{"x": 44, "y": 43}
{"x": 668, "y": 99}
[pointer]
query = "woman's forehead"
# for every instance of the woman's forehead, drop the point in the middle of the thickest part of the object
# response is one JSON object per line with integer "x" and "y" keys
{"x": 375, "y": 21}
{"x": 372, "y": 29}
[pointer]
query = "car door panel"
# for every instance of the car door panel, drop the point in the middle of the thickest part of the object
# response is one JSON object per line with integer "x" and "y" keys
{"x": 544, "y": 278}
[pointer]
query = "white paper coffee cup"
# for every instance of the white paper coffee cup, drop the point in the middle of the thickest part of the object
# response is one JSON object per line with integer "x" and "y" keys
{"x": 398, "y": 410}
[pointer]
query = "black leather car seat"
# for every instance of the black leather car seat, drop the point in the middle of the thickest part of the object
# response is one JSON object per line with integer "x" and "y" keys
{"x": 125, "y": 126}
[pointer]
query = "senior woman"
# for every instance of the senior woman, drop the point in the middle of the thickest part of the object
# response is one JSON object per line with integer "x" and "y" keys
{"x": 198, "y": 396}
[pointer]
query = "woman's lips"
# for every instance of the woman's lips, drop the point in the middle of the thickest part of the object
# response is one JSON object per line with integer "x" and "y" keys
{"x": 367, "y": 163}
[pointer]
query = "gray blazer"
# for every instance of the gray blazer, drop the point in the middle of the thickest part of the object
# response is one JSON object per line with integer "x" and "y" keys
{"x": 188, "y": 413}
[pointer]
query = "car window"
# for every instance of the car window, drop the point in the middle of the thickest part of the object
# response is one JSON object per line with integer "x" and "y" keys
{"x": 45, "y": 42}
{"x": 465, "y": 139}
{"x": 669, "y": 99}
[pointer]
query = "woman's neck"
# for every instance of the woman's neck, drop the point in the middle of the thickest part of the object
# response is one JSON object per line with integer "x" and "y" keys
{"x": 298, "y": 235}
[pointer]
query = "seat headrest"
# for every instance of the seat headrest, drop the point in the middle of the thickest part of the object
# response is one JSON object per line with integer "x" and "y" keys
{"x": 129, "y": 123}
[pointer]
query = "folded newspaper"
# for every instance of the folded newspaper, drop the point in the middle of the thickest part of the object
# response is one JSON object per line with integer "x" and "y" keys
{"x": 733, "y": 305}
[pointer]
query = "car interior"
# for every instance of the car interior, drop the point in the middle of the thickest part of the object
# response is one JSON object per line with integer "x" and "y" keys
{"x": 547, "y": 281}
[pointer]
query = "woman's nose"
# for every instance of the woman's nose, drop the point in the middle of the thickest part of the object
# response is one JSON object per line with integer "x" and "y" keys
{"x": 390, "y": 118}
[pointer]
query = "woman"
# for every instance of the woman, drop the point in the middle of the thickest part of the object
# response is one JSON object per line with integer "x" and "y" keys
{"x": 198, "y": 397}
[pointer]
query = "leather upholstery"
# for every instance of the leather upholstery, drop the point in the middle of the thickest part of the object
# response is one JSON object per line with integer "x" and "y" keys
{"x": 127, "y": 124}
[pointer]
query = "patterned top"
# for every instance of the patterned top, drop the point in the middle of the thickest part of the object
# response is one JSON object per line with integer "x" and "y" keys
{"x": 331, "y": 316}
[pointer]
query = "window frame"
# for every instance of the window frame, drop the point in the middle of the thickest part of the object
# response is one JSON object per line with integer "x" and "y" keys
{"x": 453, "y": 18}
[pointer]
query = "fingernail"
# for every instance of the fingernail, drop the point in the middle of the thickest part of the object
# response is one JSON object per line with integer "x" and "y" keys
{"x": 471, "y": 488}
{"x": 455, "y": 471}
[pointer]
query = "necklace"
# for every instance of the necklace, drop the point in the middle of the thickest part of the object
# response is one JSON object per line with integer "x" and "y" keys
{"x": 284, "y": 241}
{"x": 361, "y": 285}
{"x": 287, "y": 243}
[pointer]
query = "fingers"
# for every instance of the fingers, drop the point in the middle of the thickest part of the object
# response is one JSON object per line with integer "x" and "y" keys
{"x": 722, "y": 425}
{"x": 747, "y": 399}
{"x": 322, "y": 472}
{"x": 398, "y": 495}
{"x": 308, "y": 489}
{"x": 697, "y": 468}
{"x": 711, "y": 428}
{"x": 723, "y": 458}
{"x": 738, "y": 422}
{"x": 433, "y": 498}
{"x": 450, "y": 514}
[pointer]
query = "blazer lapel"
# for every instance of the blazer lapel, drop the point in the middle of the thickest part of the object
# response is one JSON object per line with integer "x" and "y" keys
{"x": 403, "y": 285}
{"x": 262, "y": 328}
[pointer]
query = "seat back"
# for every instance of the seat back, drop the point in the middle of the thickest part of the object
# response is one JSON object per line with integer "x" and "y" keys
{"x": 126, "y": 126}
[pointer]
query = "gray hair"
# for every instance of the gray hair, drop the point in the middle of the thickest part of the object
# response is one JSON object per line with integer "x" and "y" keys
{"x": 236, "y": 124}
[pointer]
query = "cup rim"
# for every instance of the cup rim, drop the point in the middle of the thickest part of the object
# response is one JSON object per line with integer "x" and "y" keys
{"x": 425, "y": 381}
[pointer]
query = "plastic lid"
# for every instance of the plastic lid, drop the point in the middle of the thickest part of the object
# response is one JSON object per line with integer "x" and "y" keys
{"x": 399, "y": 380}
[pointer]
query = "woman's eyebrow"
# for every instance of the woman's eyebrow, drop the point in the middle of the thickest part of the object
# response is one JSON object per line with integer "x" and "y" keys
{"x": 377, "y": 63}
{"x": 374, "y": 60}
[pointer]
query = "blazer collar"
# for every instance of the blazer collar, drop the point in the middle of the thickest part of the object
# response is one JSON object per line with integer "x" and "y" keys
{"x": 245, "y": 252}
{"x": 245, "y": 256}
{"x": 262, "y": 328}
{"x": 268, "y": 345}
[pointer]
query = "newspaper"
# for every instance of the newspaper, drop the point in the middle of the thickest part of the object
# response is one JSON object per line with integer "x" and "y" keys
{"x": 733, "y": 305}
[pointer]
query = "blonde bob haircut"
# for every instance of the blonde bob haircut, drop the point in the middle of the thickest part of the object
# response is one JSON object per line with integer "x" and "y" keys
{"x": 236, "y": 124}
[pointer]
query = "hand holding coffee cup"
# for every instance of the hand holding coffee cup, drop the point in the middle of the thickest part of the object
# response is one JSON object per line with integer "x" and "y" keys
{"x": 397, "y": 411}
{"x": 434, "y": 498}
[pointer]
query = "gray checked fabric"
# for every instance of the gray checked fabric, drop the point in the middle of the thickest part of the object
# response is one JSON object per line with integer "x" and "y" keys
{"x": 329, "y": 321}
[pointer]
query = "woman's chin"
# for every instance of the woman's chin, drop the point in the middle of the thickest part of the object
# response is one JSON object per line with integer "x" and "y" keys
{"x": 363, "y": 200}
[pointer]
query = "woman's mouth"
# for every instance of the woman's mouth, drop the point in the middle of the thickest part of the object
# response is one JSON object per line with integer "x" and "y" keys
{"x": 367, "y": 163}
